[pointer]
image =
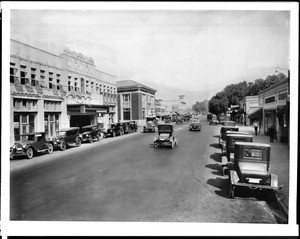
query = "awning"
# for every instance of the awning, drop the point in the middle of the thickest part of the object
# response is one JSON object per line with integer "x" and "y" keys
{"x": 256, "y": 114}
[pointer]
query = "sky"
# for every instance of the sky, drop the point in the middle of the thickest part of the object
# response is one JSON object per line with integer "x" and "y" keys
{"x": 191, "y": 52}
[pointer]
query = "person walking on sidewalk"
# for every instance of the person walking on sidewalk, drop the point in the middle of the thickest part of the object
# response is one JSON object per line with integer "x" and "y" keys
{"x": 271, "y": 133}
{"x": 255, "y": 126}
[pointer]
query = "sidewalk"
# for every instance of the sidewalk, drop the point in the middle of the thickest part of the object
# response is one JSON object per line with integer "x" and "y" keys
{"x": 279, "y": 164}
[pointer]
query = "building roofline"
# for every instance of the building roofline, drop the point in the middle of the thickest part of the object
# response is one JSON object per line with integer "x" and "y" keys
{"x": 273, "y": 87}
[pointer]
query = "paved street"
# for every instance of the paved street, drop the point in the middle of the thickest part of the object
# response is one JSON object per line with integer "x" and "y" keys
{"x": 126, "y": 179}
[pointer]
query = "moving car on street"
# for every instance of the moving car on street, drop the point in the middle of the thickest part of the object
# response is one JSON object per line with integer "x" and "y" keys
{"x": 89, "y": 133}
{"x": 251, "y": 168}
{"x": 30, "y": 144}
{"x": 166, "y": 136}
{"x": 67, "y": 137}
{"x": 114, "y": 130}
{"x": 151, "y": 123}
{"x": 195, "y": 125}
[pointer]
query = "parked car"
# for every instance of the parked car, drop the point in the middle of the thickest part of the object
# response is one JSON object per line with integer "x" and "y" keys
{"x": 224, "y": 130}
{"x": 66, "y": 137}
{"x": 126, "y": 127}
{"x": 166, "y": 136}
{"x": 251, "y": 168}
{"x": 151, "y": 123}
{"x": 114, "y": 130}
{"x": 231, "y": 139}
{"x": 213, "y": 120}
{"x": 167, "y": 119}
{"x": 89, "y": 133}
{"x": 133, "y": 126}
{"x": 195, "y": 125}
{"x": 30, "y": 144}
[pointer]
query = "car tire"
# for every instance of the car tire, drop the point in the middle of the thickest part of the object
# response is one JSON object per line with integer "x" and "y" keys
{"x": 50, "y": 148}
{"x": 29, "y": 153}
{"x": 78, "y": 142}
{"x": 99, "y": 136}
{"x": 90, "y": 139}
{"x": 63, "y": 146}
{"x": 144, "y": 130}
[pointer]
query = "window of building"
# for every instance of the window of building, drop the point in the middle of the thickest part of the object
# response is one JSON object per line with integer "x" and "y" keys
{"x": 126, "y": 114}
{"x": 24, "y": 80}
{"x": 13, "y": 71}
{"x": 144, "y": 113}
{"x": 51, "y": 124}
{"x": 69, "y": 85}
{"x": 92, "y": 87}
{"x": 23, "y": 123}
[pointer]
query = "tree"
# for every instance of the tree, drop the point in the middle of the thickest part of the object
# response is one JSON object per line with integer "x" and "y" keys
{"x": 200, "y": 107}
{"x": 218, "y": 104}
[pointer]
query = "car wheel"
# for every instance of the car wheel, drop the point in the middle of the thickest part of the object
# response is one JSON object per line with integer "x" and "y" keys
{"x": 98, "y": 137}
{"x": 29, "y": 153}
{"x": 50, "y": 148}
{"x": 90, "y": 139}
{"x": 144, "y": 130}
{"x": 78, "y": 142}
{"x": 63, "y": 146}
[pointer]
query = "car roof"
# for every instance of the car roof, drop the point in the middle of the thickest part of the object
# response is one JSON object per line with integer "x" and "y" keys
{"x": 253, "y": 144}
{"x": 68, "y": 129}
{"x": 238, "y": 132}
{"x": 229, "y": 127}
{"x": 239, "y": 135}
{"x": 33, "y": 133}
{"x": 87, "y": 126}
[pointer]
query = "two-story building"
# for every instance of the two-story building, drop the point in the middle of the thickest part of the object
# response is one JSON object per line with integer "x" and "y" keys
{"x": 50, "y": 91}
{"x": 135, "y": 101}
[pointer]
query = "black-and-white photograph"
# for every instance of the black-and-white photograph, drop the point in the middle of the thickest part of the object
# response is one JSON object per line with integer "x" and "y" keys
{"x": 173, "y": 114}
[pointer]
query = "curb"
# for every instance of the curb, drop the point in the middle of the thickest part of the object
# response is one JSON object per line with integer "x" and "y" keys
{"x": 281, "y": 204}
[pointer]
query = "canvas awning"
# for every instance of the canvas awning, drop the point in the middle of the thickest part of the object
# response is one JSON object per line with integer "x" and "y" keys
{"x": 256, "y": 114}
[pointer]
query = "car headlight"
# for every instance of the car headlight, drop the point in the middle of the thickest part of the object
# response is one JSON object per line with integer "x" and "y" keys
{"x": 24, "y": 145}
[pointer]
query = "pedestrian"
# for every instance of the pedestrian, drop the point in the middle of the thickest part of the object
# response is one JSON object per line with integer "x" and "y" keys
{"x": 271, "y": 133}
{"x": 255, "y": 126}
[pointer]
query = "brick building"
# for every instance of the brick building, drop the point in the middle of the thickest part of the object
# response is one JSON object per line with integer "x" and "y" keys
{"x": 135, "y": 101}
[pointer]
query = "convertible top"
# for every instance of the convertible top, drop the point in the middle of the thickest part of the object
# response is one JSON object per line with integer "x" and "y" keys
{"x": 165, "y": 128}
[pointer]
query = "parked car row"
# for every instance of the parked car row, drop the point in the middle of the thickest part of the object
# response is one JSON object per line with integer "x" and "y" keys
{"x": 31, "y": 144}
{"x": 247, "y": 162}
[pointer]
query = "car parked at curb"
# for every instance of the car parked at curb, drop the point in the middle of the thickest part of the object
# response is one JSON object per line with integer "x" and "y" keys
{"x": 166, "y": 136}
{"x": 30, "y": 144}
{"x": 251, "y": 168}
{"x": 114, "y": 129}
{"x": 67, "y": 137}
{"x": 89, "y": 133}
{"x": 231, "y": 139}
{"x": 133, "y": 126}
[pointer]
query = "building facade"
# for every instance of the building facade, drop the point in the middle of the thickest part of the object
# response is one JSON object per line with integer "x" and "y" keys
{"x": 50, "y": 92}
{"x": 135, "y": 101}
{"x": 274, "y": 110}
{"x": 249, "y": 104}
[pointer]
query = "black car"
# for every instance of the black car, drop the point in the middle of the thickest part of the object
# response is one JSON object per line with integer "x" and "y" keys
{"x": 89, "y": 133}
{"x": 30, "y": 144}
{"x": 133, "y": 126}
{"x": 126, "y": 127}
{"x": 114, "y": 130}
{"x": 66, "y": 137}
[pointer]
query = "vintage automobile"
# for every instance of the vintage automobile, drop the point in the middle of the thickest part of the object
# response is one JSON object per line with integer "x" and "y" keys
{"x": 231, "y": 139}
{"x": 228, "y": 123}
{"x": 114, "y": 130}
{"x": 166, "y": 136}
{"x": 195, "y": 125}
{"x": 126, "y": 127}
{"x": 250, "y": 168}
{"x": 224, "y": 130}
{"x": 30, "y": 144}
{"x": 167, "y": 119}
{"x": 213, "y": 120}
{"x": 89, "y": 133}
{"x": 151, "y": 123}
{"x": 66, "y": 137}
{"x": 133, "y": 126}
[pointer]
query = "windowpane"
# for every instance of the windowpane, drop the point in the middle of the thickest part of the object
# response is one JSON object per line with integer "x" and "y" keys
{"x": 31, "y": 123}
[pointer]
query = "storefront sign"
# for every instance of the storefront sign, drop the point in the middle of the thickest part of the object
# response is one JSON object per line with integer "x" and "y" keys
{"x": 270, "y": 99}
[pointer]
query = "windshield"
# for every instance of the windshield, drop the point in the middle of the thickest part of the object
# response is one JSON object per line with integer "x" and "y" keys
{"x": 165, "y": 128}
{"x": 253, "y": 153}
{"x": 61, "y": 133}
{"x": 85, "y": 129}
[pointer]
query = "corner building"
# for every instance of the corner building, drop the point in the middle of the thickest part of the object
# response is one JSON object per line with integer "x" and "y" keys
{"x": 135, "y": 101}
{"x": 50, "y": 92}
